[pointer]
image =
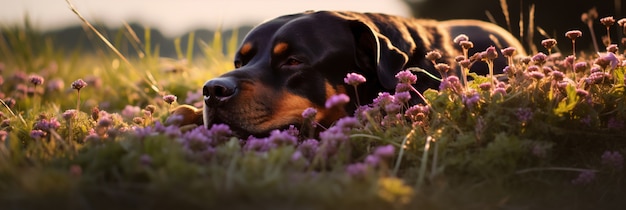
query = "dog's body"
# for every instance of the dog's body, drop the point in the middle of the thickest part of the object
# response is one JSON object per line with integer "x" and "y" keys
{"x": 298, "y": 61}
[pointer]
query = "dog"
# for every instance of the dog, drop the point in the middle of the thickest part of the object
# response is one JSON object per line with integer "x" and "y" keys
{"x": 293, "y": 62}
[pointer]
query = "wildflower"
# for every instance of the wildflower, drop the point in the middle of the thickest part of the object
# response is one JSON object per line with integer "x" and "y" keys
{"x": 508, "y": 52}
{"x": 37, "y": 134}
{"x": 612, "y": 48}
{"x": 392, "y": 108}
{"x": 608, "y": 59}
{"x": 442, "y": 68}
{"x": 485, "y": 86}
{"x": 491, "y": 53}
{"x": 613, "y": 159}
{"x": 557, "y": 75}
{"x": 130, "y": 111}
{"x": 433, "y": 56}
{"x": 47, "y": 124}
{"x": 526, "y": 60}
{"x": 582, "y": 93}
{"x": 357, "y": 170}
{"x": 537, "y": 75}
{"x": 607, "y": 21}
{"x": 539, "y": 58}
{"x": 78, "y": 84}
{"x": 54, "y": 85}
{"x": 466, "y": 44}
{"x": 451, "y": 82}
{"x": 383, "y": 99}
{"x": 585, "y": 177}
{"x": 35, "y": 79}
{"x": 347, "y": 123}
{"x": 580, "y": 66}
{"x": 354, "y": 79}
{"x": 372, "y": 160}
{"x": 548, "y": 44}
{"x": 573, "y": 34}
{"x": 402, "y": 97}
{"x": 169, "y": 99}
{"x": 406, "y": 77}
{"x": 278, "y": 137}
{"x": 472, "y": 98}
{"x": 150, "y": 109}
{"x": 308, "y": 148}
{"x": 387, "y": 151}
{"x": 337, "y": 100}
{"x": 309, "y": 113}
{"x": 499, "y": 90}
{"x": 105, "y": 121}
{"x": 69, "y": 114}
{"x": 403, "y": 87}
{"x": 461, "y": 37}
{"x": 465, "y": 63}
{"x": 258, "y": 145}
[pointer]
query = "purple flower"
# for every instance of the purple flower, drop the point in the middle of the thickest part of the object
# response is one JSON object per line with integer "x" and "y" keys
{"x": 385, "y": 152}
{"x": 308, "y": 148}
{"x": 584, "y": 177}
{"x": 580, "y": 66}
{"x": 459, "y": 38}
{"x": 537, "y": 75}
{"x": 79, "y": 84}
{"x": 557, "y": 75}
{"x": 406, "y": 77}
{"x": 548, "y": 43}
{"x": 354, "y": 79}
{"x": 613, "y": 159}
{"x": 609, "y": 59}
{"x": 612, "y": 48}
{"x": 169, "y": 99}
{"x": 69, "y": 114}
{"x": 196, "y": 140}
{"x": 337, "y": 100}
{"x": 383, "y": 99}
{"x": 471, "y": 99}
{"x": 357, "y": 170}
{"x": 279, "y": 138}
{"x": 54, "y": 85}
{"x": 130, "y": 111}
{"x": 393, "y": 108}
{"x": 309, "y": 113}
{"x": 573, "y": 34}
{"x": 372, "y": 160}
{"x": 524, "y": 114}
{"x": 539, "y": 58}
{"x": 35, "y": 79}
{"x": 47, "y": 124}
{"x": 491, "y": 53}
{"x": 258, "y": 145}
{"x": 37, "y": 134}
{"x": 433, "y": 55}
{"x": 402, "y": 97}
{"x": 347, "y": 123}
{"x": 466, "y": 44}
{"x": 508, "y": 52}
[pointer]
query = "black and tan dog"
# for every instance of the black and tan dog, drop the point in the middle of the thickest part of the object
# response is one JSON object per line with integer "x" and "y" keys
{"x": 297, "y": 61}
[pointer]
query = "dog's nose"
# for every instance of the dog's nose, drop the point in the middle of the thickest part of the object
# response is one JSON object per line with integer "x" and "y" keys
{"x": 220, "y": 88}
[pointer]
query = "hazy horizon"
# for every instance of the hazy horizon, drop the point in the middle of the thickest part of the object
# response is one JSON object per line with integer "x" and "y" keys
{"x": 175, "y": 18}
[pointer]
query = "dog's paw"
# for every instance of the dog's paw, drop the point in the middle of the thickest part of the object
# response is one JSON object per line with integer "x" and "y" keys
{"x": 190, "y": 115}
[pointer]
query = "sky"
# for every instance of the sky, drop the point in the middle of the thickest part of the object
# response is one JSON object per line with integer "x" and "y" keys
{"x": 176, "y": 17}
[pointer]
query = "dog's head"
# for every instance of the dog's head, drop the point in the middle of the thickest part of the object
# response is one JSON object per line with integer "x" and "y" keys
{"x": 294, "y": 62}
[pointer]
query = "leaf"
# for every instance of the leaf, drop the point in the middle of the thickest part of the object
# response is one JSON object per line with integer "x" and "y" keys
{"x": 567, "y": 104}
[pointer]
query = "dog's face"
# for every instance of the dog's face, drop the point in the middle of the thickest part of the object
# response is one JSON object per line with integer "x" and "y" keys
{"x": 287, "y": 65}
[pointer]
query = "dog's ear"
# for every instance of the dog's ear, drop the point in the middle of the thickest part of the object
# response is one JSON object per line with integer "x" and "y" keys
{"x": 375, "y": 52}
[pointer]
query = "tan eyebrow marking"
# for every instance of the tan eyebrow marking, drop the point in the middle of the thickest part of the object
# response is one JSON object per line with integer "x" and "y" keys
{"x": 245, "y": 48}
{"x": 280, "y": 47}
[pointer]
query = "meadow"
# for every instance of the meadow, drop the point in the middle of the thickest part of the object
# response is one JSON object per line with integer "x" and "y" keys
{"x": 93, "y": 130}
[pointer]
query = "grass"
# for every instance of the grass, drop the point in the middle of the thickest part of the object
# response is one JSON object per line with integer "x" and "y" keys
{"x": 540, "y": 141}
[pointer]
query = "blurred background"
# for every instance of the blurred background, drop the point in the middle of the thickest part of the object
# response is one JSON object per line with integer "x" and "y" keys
{"x": 176, "y": 19}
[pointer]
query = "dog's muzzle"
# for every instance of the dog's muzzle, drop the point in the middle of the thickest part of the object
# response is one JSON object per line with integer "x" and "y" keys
{"x": 216, "y": 92}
